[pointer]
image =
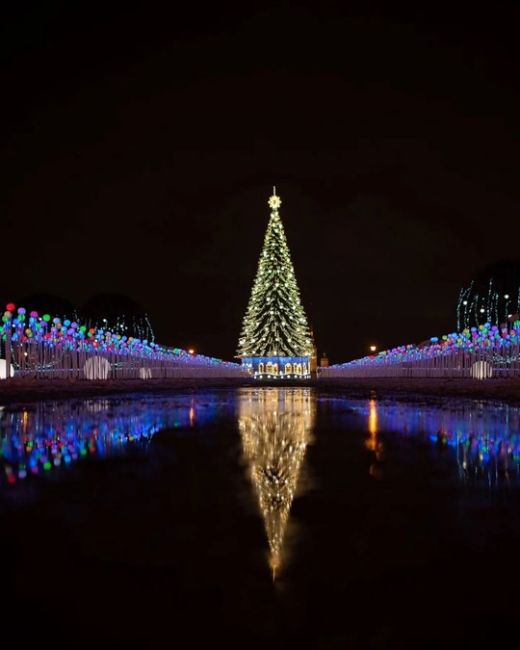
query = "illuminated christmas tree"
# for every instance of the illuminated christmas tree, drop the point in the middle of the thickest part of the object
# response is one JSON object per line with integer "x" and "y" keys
{"x": 275, "y": 427}
{"x": 275, "y": 339}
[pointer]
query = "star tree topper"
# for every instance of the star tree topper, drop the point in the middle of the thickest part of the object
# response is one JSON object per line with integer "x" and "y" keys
{"x": 275, "y": 201}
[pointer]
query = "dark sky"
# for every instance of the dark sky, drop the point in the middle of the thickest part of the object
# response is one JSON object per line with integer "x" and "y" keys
{"x": 139, "y": 147}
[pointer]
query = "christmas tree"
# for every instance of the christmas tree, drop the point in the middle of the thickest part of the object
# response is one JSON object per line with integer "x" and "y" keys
{"x": 275, "y": 427}
{"x": 275, "y": 330}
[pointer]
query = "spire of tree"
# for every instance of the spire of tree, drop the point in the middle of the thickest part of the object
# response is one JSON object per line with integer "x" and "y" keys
{"x": 275, "y": 323}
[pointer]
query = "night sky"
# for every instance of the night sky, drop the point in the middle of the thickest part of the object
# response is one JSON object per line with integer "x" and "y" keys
{"x": 139, "y": 148}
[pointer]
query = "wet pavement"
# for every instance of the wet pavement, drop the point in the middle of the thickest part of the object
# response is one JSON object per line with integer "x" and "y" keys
{"x": 254, "y": 516}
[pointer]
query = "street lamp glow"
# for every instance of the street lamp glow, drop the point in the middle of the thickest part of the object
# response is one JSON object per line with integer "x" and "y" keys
{"x": 191, "y": 351}
{"x": 373, "y": 348}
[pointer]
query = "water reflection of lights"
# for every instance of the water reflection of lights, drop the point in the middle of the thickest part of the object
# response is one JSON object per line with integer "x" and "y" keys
{"x": 372, "y": 425}
{"x": 275, "y": 427}
{"x": 373, "y": 443}
{"x": 36, "y": 439}
{"x": 485, "y": 437}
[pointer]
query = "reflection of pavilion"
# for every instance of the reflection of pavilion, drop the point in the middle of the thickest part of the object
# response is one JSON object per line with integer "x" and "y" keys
{"x": 275, "y": 426}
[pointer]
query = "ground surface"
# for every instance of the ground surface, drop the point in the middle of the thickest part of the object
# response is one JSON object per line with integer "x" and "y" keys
{"x": 501, "y": 389}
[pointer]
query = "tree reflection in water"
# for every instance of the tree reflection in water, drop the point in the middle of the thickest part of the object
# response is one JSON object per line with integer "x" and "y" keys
{"x": 275, "y": 427}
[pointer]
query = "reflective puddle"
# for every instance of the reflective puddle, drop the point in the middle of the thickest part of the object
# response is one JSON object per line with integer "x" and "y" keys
{"x": 267, "y": 502}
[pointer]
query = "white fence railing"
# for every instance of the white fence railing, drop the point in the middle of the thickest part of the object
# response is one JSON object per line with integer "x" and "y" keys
{"x": 482, "y": 364}
{"x": 36, "y": 360}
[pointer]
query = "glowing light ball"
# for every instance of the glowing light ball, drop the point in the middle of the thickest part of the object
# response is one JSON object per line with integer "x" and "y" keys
{"x": 3, "y": 369}
{"x": 96, "y": 368}
{"x": 10, "y": 306}
{"x": 481, "y": 370}
{"x": 46, "y": 318}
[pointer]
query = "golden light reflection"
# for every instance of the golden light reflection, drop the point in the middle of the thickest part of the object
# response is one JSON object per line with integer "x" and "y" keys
{"x": 371, "y": 443}
{"x": 275, "y": 426}
{"x": 25, "y": 421}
